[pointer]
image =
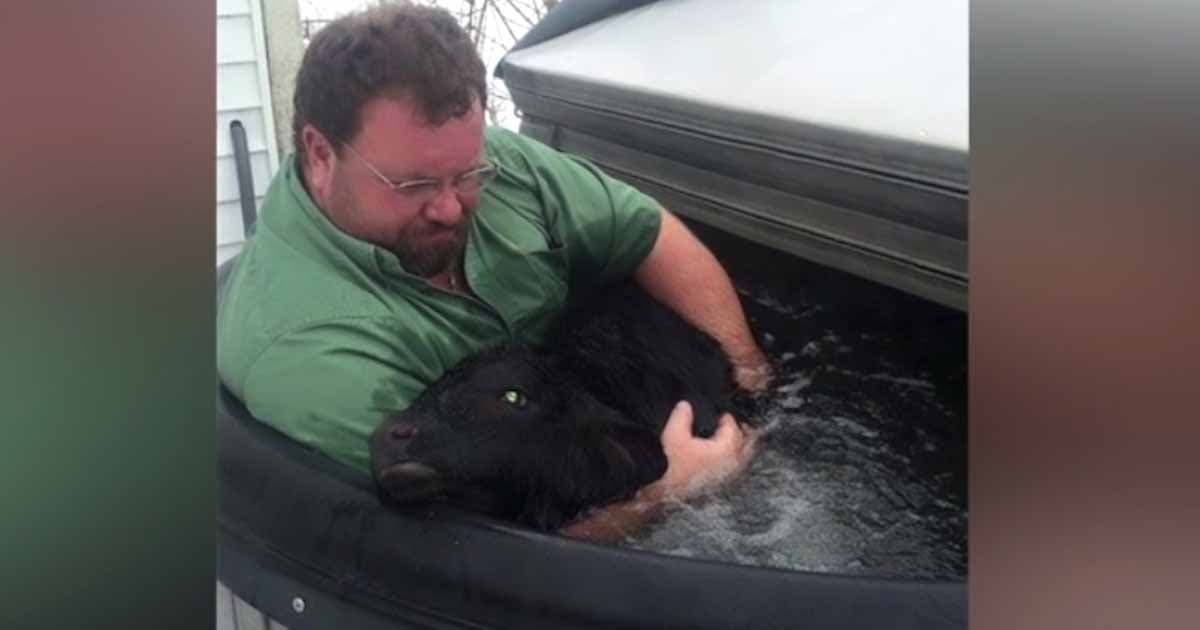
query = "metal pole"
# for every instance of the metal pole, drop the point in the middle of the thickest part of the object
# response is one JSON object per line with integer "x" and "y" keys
{"x": 241, "y": 157}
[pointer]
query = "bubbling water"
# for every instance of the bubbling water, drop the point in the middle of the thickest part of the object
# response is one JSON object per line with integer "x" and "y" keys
{"x": 861, "y": 466}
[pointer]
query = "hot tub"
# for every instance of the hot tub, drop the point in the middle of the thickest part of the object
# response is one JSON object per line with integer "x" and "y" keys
{"x": 871, "y": 183}
{"x": 305, "y": 540}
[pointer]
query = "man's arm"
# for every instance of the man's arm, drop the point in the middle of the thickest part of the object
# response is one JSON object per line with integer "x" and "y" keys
{"x": 683, "y": 274}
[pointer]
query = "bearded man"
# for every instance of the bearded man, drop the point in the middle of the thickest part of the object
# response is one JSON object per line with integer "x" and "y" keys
{"x": 402, "y": 236}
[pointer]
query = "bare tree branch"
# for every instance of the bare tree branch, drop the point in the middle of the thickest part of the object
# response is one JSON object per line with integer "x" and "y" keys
{"x": 502, "y": 45}
{"x": 483, "y": 11}
{"x": 504, "y": 20}
{"x": 516, "y": 9}
{"x": 545, "y": 7}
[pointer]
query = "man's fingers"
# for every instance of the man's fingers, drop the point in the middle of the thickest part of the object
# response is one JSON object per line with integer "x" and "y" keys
{"x": 679, "y": 424}
{"x": 729, "y": 441}
{"x": 727, "y": 429}
{"x": 693, "y": 462}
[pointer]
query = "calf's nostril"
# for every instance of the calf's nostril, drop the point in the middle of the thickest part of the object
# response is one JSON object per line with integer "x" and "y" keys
{"x": 402, "y": 432}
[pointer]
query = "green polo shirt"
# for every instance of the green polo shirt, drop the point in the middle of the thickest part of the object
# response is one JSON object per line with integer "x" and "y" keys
{"x": 323, "y": 336}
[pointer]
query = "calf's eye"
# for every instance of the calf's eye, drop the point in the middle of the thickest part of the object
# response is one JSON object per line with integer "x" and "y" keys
{"x": 514, "y": 397}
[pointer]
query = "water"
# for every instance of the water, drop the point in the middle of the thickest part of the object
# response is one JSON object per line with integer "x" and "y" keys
{"x": 861, "y": 468}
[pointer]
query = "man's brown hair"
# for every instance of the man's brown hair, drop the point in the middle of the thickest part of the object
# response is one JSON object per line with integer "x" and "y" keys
{"x": 394, "y": 50}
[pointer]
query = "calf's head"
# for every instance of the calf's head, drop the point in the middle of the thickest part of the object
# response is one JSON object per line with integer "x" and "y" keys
{"x": 509, "y": 433}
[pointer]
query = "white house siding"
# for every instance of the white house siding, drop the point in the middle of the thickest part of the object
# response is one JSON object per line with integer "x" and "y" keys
{"x": 243, "y": 93}
{"x": 235, "y": 614}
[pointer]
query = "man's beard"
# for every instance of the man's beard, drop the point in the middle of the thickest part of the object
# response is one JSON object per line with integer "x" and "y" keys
{"x": 412, "y": 245}
{"x": 420, "y": 255}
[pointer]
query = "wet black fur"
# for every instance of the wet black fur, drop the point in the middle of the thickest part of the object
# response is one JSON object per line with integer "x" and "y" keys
{"x": 597, "y": 397}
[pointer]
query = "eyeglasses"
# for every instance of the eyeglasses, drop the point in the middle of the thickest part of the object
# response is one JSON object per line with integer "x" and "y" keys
{"x": 422, "y": 191}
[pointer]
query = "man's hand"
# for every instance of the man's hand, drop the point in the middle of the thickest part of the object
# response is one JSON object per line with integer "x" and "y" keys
{"x": 695, "y": 464}
{"x": 753, "y": 374}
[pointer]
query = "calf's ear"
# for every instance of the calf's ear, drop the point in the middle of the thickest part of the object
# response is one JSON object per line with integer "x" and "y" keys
{"x": 634, "y": 456}
{"x": 631, "y": 455}
{"x": 583, "y": 408}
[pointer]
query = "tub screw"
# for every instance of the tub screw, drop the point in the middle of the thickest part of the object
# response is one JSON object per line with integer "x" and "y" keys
{"x": 298, "y": 604}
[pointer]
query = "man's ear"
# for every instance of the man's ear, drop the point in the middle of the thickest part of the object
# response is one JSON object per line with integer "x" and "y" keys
{"x": 320, "y": 160}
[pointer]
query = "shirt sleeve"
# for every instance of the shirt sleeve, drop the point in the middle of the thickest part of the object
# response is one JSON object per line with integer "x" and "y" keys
{"x": 607, "y": 226}
{"x": 329, "y": 387}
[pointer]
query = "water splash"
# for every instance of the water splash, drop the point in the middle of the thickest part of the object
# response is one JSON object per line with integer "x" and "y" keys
{"x": 862, "y": 467}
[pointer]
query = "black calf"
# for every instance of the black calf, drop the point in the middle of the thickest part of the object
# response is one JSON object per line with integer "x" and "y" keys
{"x": 537, "y": 435}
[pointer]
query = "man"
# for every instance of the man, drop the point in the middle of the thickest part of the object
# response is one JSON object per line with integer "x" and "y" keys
{"x": 402, "y": 237}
